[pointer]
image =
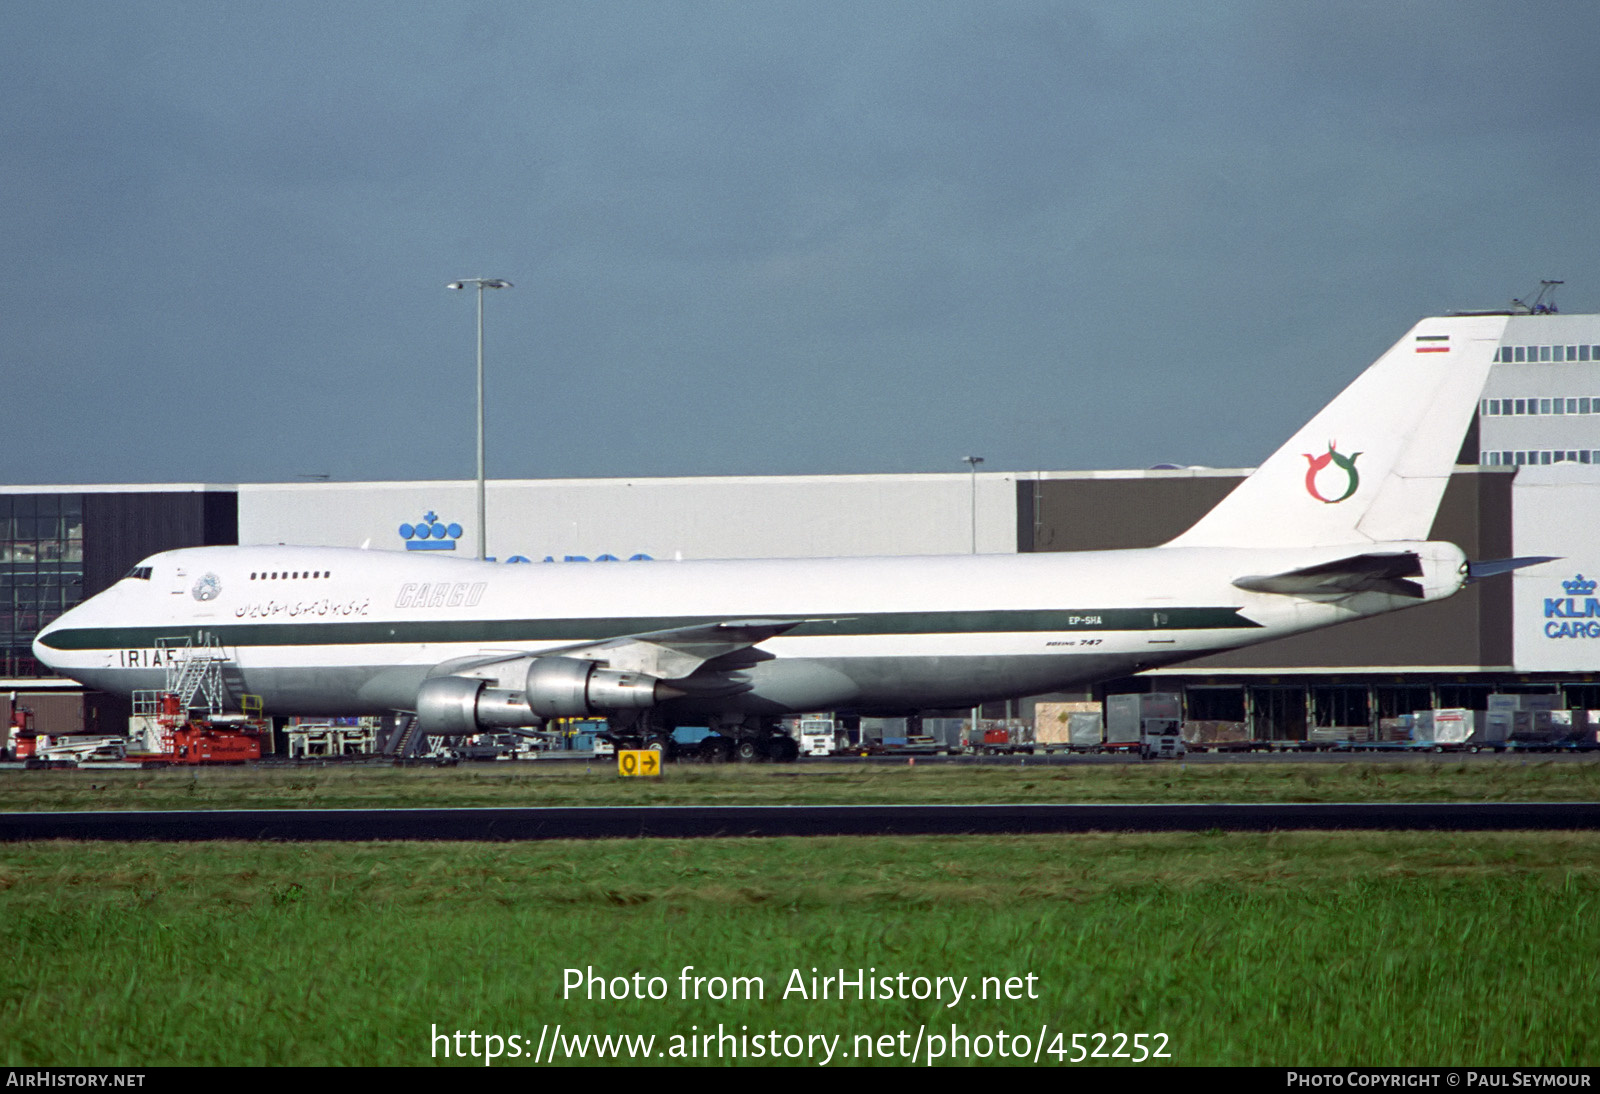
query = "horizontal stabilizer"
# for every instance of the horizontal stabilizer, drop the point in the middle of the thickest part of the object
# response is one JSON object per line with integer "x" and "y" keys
{"x": 1370, "y": 573}
{"x": 1477, "y": 571}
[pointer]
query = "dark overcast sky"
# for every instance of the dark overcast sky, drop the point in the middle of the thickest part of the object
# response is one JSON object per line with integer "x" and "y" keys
{"x": 754, "y": 238}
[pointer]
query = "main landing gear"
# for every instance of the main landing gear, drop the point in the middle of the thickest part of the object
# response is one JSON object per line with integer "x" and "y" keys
{"x": 733, "y": 739}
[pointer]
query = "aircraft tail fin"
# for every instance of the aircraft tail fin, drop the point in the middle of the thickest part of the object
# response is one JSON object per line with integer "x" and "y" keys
{"x": 1373, "y": 464}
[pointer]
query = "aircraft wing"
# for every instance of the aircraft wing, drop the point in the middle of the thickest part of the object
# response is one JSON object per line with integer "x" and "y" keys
{"x": 675, "y": 653}
{"x": 1377, "y": 572}
{"x": 666, "y": 655}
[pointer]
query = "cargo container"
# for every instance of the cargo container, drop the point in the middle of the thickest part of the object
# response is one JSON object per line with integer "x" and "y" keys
{"x": 1214, "y": 735}
{"x": 1085, "y": 730}
{"x": 1126, "y": 716}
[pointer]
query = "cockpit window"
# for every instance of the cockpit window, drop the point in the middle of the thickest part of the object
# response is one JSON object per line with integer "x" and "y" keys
{"x": 140, "y": 572}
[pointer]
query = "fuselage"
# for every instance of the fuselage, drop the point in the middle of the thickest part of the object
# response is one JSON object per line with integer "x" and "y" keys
{"x": 335, "y": 631}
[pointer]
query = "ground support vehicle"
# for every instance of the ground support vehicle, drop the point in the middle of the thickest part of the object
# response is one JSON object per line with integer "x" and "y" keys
{"x": 817, "y": 736}
{"x": 1162, "y": 740}
{"x": 24, "y": 739}
{"x": 172, "y": 735}
{"x": 72, "y": 751}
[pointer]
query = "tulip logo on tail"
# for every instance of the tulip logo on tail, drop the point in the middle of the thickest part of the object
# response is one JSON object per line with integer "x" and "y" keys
{"x": 1346, "y": 464}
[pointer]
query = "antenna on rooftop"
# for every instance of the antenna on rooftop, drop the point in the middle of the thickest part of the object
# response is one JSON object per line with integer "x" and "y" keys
{"x": 1539, "y": 305}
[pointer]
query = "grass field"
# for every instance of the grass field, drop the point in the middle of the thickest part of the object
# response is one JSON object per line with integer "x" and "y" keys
{"x": 1299, "y": 948}
{"x": 1286, "y": 948}
{"x": 1479, "y": 779}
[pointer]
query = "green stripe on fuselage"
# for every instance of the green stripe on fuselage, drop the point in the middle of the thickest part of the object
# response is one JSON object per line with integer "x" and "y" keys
{"x": 491, "y": 631}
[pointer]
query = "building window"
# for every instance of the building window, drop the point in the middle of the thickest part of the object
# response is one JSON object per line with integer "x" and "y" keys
{"x": 41, "y": 572}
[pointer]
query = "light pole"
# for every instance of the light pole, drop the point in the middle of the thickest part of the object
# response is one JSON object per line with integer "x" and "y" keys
{"x": 482, "y": 283}
{"x": 972, "y": 463}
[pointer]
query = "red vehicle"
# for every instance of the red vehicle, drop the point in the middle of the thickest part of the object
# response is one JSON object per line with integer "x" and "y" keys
{"x": 217, "y": 740}
{"x": 23, "y": 738}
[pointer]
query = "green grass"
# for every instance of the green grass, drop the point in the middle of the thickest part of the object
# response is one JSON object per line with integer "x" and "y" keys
{"x": 1370, "y": 948}
{"x": 1479, "y": 779}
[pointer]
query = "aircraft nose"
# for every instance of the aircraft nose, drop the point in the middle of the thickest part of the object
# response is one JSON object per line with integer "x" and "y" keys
{"x": 46, "y": 651}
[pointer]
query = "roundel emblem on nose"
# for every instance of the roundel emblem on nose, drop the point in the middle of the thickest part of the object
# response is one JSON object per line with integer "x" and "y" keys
{"x": 208, "y": 587}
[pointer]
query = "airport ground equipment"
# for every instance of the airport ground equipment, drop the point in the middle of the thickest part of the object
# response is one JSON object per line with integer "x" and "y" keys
{"x": 23, "y": 737}
{"x": 1162, "y": 739}
{"x": 1130, "y": 719}
{"x": 174, "y": 735}
{"x": 187, "y": 721}
{"x": 817, "y": 736}
{"x": 72, "y": 751}
{"x": 746, "y": 740}
{"x": 331, "y": 739}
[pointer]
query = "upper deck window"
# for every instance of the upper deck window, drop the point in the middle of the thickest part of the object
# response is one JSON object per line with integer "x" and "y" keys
{"x": 140, "y": 572}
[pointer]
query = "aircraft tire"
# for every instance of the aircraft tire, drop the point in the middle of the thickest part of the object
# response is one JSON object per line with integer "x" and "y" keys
{"x": 784, "y": 750}
{"x": 716, "y": 749}
{"x": 748, "y": 750}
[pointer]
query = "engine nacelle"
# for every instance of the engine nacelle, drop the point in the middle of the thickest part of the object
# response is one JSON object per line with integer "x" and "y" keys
{"x": 556, "y": 687}
{"x": 452, "y": 706}
{"x": 569, "y": 687}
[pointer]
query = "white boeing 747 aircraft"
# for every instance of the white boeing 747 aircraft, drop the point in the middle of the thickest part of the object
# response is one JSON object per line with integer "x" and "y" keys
{"x": 1333, "y": 527}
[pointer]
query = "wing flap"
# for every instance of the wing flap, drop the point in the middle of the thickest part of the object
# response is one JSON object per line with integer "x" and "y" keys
{"x": 674, "y": 654}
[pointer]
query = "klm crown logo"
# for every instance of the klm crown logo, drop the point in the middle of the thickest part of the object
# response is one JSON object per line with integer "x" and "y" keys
{"x": 429, "y": 535}
{"x": 1578, "y": 586}
{"x": 1576, "y": 615}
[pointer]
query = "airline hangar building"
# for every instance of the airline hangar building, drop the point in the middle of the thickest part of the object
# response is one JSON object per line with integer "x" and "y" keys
{"x": 1530, "y": 486}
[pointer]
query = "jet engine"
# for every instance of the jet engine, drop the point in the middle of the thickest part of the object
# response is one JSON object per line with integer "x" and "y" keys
{"x": 555, "y": 687}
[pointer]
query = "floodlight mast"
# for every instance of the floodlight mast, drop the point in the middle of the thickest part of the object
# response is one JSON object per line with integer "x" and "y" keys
{"x": 482, "y": 283}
